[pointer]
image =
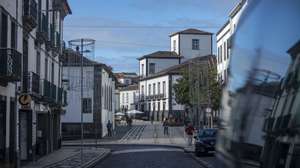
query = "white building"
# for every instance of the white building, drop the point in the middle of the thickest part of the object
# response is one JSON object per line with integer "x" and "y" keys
{"x": 128, "y": 98}
{"x": 224, "y": 40}
{"x": 158, "y": 72}
{"x": 191, "y": 43}
{"x": 98, "y": 102}
{"x": 157, "y": 97}
{"x": 127, "y": 78}
{"x": 32, "y": 30}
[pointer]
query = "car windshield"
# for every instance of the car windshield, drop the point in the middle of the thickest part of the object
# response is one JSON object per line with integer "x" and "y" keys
{"x": 207, "y": 133}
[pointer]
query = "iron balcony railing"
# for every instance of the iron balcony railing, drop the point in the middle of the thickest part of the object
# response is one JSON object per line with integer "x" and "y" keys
{"x": 33, "y": 81}
{"x": 42, "y": 33}
{"x": 30, "y": 14}
{"x": 53, "y": 92}
{"x": 10, "y": 65}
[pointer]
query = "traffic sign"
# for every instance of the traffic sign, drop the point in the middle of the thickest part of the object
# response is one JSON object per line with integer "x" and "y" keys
{"x": 25, "y": 99}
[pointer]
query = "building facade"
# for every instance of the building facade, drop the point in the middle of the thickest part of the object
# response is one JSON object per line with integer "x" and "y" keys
{"x": 224, "y": 39}
{"x": 98, "y": 101}
{"x": 159, "y": 72}
{"x": 128, "y": 98}
{"x": 126, "y": 78}
{"x": 32, "y": 30}
{"x": 191, "y": 43}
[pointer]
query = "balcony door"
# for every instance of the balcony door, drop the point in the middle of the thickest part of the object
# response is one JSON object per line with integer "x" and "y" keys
{"x": 2, "y": 127}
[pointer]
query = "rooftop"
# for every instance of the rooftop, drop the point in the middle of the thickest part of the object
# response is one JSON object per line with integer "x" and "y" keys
{"x": 176, "y": 69}
{"x": 192, "y": 31}
{"x": 161, "y": 54}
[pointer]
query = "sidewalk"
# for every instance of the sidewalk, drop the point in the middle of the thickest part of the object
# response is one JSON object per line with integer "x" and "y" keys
{"x": 67, "y": 157}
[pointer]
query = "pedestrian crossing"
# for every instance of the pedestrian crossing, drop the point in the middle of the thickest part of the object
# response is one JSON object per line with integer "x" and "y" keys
{"x": 133, "y": 134}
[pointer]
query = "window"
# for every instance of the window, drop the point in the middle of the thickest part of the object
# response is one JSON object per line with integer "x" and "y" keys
{"x": 3, "y": 31}
{"x": 142, "y": 69}
{"x": 52, "y": 72}
{"x": 123, "y": 98}
{"x": 221, "y": 53}
{"x": 13, "y": 41}
{"x": 149, "y": 89}
{"x": 142, "y": 91}
{"x": 86, "y": 105}
{"x": 158, "y": 88}
{"x": 228, "y": 47}
{"x": 195, "y": 44}
{"x": 164, "y": 88}
{"x": 127, "y": 97}
{"x": 46, "y": 69}
{"x": 152, "y": 68}
{"x": 174, "y": 45}
{"x": 225, "y": 50}
{"x": 154, "y": 85}
{"x": 38, "y": 62}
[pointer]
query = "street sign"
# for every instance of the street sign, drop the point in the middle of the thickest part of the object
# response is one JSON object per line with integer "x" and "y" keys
{"x": 25, "y": 100}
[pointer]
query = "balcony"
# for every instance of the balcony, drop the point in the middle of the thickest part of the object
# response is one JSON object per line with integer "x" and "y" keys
{"x": 46, "y": 90}
{"x": 30, "y": 14}
{"x": 42, "y": 32}
{"x": 33, "y": 84}
{"x": 10, "y": 61}
{"x": 268, "y": 124}
{"x": 53, "y": 91}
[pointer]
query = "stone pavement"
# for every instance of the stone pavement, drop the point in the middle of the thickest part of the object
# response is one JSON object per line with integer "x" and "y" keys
{"x": 68, "y": 157}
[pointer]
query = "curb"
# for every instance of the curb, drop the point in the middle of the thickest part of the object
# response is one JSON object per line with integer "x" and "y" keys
{"x": 116, "y": 144}
{"x": 93, "y": 162}
{"x": 201, "y": 162}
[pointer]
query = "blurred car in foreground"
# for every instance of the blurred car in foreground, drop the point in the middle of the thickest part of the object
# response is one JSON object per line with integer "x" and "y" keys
{"x": 260, "y": 118}
{"x": 205, "y": 141}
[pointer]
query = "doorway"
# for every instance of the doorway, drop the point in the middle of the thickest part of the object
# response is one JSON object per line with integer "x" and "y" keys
{"x": 2, "y": 127}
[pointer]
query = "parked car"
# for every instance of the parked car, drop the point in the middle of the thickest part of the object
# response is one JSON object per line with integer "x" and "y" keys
{"x": 205, "y": 141}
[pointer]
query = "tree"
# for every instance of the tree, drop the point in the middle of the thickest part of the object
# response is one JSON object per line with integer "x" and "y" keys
{"x": 182, "y": 89}
{"x": 199, "y": 87}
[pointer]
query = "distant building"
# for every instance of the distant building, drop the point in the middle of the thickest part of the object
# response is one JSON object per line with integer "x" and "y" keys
{"x": 98, "y": 102}
{"x": 224, "y": 36}
{"x": 128, "y": 98}
{"x": 158, "y": 72}
{"x": 191, "y": 43}
{"x": 127, "y": 78}
{"x": 157, "y": 97}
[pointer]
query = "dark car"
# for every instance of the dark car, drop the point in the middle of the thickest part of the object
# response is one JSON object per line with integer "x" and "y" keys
{"x": 205, "y": 141}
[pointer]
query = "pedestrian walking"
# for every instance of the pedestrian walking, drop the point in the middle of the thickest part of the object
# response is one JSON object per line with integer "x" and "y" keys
{"x": 109, "y": 128}
{"x": 189, "y": 130}
{"x": 166, "y": 126}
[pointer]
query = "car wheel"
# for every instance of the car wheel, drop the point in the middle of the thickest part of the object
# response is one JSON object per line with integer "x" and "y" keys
{"x": 201, "y": 151}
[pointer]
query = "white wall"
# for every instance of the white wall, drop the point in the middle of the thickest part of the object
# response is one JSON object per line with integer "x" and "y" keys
{"x": 142, "y": 69}
{"x": 186, "y": 50}
{"x": 176, "y": 48}
{"x": 107, "y": 112}
{"x": 146, "y": 89}
{"x": 73, "y": 110}
{"x": 128, "y": 101}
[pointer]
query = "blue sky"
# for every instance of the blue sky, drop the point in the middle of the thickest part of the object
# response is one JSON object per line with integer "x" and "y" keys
{"x": 127, "y": 29}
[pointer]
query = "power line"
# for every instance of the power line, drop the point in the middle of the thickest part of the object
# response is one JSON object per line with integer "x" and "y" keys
{"x": 138, "y": 27}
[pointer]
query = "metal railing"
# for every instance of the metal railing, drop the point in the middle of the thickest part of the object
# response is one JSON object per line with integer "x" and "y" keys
{"x": 10, "y": 61}
{"x": 30, "y": 13}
